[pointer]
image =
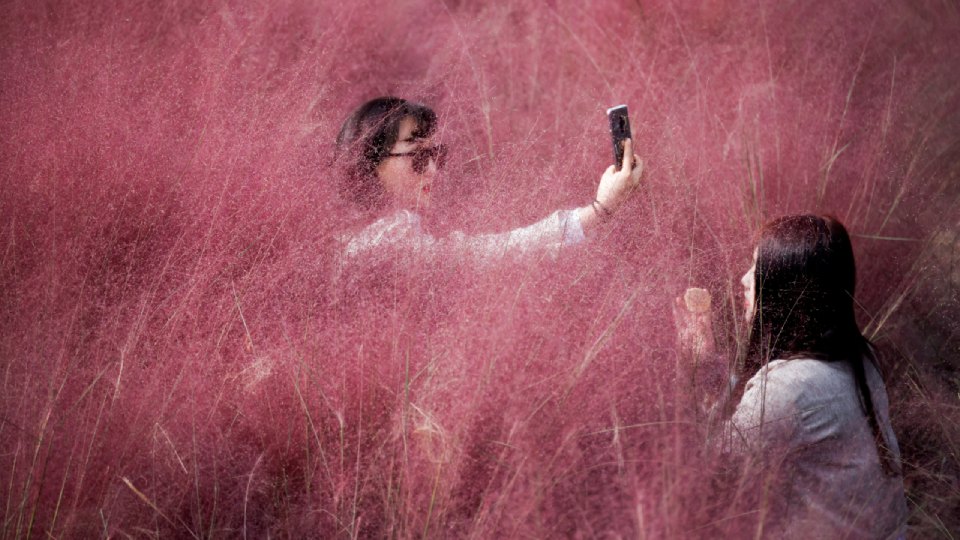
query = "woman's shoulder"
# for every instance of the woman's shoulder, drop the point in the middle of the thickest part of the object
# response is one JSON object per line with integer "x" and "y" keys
{"x": 802, "y": 369}
{"x": 389, "y": 229}
{"x": 399, "y": 219}
{"x": 806, "y": 384}
{"x": 793, "y": 378}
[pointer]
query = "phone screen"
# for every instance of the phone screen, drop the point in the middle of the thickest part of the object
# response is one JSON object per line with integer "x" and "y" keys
{"x": 619, "y": 131}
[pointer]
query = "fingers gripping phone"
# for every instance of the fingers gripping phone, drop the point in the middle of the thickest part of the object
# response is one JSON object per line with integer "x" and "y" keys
{"x": 619, "y": 131}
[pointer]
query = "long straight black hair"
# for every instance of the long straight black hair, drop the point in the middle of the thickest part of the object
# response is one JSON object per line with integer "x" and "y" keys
{"x": 805, "y": 280}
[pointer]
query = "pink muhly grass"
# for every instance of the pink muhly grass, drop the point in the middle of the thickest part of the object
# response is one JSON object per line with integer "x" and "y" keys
{"x": 178, "y": 358}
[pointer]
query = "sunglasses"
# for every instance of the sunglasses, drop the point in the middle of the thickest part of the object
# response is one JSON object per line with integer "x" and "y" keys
{"x": 422, "y": 156}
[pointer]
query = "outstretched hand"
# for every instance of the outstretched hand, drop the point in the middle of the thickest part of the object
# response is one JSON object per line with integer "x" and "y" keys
{"x": 618, "y": 185}
{"x": 694, "y": 324}
{"x": 698, "y": 366}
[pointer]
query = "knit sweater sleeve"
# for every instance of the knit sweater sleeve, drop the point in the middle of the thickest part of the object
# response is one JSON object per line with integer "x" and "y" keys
{"x": 403, "y": 231}
{"x": 767, "y": 415}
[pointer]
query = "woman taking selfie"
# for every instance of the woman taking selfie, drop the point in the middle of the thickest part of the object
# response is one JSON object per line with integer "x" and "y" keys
{"x": 389, "y": 163}
{"x": 811, "y": 408}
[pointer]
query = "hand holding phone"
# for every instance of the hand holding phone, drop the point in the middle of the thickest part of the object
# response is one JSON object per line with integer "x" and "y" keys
{"x": 619, "y": 132}
{"x": 620, "y": 180}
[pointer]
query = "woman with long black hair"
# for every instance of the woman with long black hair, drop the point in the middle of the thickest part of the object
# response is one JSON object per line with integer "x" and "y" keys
{"x": 808, "y": 406}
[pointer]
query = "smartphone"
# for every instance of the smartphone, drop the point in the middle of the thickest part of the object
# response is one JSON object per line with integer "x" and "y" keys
{"x": 619, "y": 131}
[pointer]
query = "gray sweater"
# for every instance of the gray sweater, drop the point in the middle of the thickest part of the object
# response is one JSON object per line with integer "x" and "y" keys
{"x": 805, "y": 416}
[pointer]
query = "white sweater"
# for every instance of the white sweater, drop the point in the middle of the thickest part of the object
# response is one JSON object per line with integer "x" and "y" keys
{"x": 403, "y": 230}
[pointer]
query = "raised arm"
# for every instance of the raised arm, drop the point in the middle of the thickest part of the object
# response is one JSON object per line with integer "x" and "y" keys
{"x": 546, "y": 237}
{"x": 616, "y": 187}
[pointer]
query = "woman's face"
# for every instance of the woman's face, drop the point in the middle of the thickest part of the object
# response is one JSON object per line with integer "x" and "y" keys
{"x": 402, "y": 182}
{"x": 750, "y": 289}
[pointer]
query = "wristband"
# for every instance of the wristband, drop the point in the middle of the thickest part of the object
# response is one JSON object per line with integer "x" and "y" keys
{"x": 597, "y": 204}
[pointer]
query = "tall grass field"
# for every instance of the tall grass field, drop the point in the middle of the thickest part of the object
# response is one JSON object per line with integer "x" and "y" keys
{"x": 182, "y": 356}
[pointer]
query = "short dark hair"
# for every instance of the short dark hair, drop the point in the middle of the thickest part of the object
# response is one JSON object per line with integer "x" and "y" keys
{"x": 366, "y": 137}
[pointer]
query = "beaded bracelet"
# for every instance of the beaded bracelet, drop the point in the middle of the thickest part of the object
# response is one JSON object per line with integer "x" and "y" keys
{"x": 605, "y": 211}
